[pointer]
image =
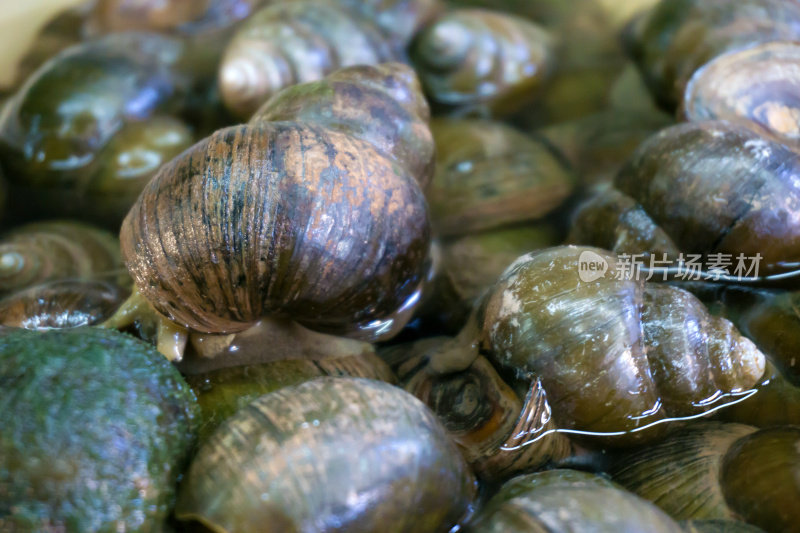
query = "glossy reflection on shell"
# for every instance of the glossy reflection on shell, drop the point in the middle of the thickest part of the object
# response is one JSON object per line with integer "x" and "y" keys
{"x": 330, "y": 454}
{"x": 615, "y": 355}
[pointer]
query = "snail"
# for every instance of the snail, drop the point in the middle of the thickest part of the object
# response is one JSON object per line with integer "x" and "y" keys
{"x": 283, "y": 219}
{"x": 296, "y": 42}
{"x": 755, "y": 87}
{"x": 96, "y": 429}
{"x": 721, "y": 471}
{"x": 53, "y": 250}
{"x": 677, "y": 38}
{"x": 88, "y": 129}
{"x": 329, "y": 454}
{"x": 568, "y": 500}
{"x": 489, "y": 175}
{"x": 618, "y": 358}
{"x": 223, "y": 391}
{"x": 702, "y": 188}
{"x": 494, "y": 425}
{"x": 480, "y": 59}
{"x": 66, "y": 303}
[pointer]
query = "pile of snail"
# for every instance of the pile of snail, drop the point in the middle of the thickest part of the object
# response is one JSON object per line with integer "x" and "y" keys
{"x": 402, "y": 265}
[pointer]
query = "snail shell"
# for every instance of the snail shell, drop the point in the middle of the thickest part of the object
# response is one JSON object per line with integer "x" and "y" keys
{"x": 615, "y": 356}
{"x": 278, "y": 218}
{"x": 485, "y": 417}
{"x": 58, "y": 134}
{"x": 568, "y": 500}
{"x": 473, "y": 57}
{"x": 332, "y": 453}
{"x": 711, "y": 187}
{"x": 222, "y": 392}
{"x": 294, "y": 42}
{"x": 678, "y": 37}
{"x": 488, "y": 175}
{"x": 45, "y": 251}
{"x": 753, "y": 86}
{"x": 382, "y": 105}
{"x": 728, "y": 471}
{"x": 61, "y": 304}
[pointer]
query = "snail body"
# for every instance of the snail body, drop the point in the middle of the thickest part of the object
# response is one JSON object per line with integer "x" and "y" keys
{"x": 329, "y": 454}
{"x": 473, "y": 58}
{"x": 85, "y": 129}
{"x": 721, "y": 471}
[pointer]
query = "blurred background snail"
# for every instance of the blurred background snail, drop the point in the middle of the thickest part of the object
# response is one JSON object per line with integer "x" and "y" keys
{"x": 292, "y": 42}
{"x": 325, "y": 455}
{"x": 721, "y": 471}
{"x": 84, "y": 134}
{"x": 291, "y": 219}
{"x": 484, "y": 60}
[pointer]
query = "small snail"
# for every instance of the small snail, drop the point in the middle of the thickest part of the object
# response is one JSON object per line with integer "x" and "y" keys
{"x": 61, "y": 304}
{"x": 88, "y": 129}
{"x": 568, "y": 500}
{"x": 489, "y": 175}
{"x": 495, "y": 426}
{"x": 285, "y": 219}
{"x": 327, "y": 455}
{"x": 721, "y": 471}
{"x": 617, "y": 358}
{"x": 295, "y": 42}
{"x": 702, "y": 188}
{"x": 223, "y": 391}
{"x": 53, "y": 250}
{"x": 96, "y": 429}
{"x": 472, "y": 58}
{"x": 676, "y": 38}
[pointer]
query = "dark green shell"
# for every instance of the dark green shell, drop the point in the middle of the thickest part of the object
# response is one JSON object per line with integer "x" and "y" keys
{"x": 95, "y": 430}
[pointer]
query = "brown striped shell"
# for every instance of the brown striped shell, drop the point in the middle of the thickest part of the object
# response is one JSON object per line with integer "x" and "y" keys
{"x": 330, "y": 454}
{"x": 481, "y": 58}
{"x": 382, "y": 105}
{"x": 294, "y": 42}
{"x": 278, "y": 219}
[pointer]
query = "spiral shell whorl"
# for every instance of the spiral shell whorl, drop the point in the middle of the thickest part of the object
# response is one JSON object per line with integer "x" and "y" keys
{"x": 295, "y": 42}
{"x": 278, "y": 218}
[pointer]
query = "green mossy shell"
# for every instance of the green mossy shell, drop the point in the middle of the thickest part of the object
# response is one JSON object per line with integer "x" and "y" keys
{"x": 96, "y": 426}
